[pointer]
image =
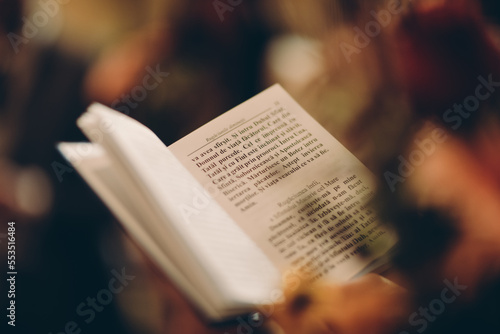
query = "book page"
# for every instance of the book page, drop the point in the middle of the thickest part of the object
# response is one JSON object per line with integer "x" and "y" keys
{"x": 292, "y": 187}
{"x": 219, "y": 259}
{"x": 96, "y": 167}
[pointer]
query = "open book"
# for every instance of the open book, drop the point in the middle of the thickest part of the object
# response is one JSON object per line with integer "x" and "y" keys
{"x": 260, "y": 191}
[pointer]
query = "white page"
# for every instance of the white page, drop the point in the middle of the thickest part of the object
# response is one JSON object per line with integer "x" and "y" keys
{"x": 231, "y": 269}
{"x": 120, "y": 196}
{"x": 292, "y": 187}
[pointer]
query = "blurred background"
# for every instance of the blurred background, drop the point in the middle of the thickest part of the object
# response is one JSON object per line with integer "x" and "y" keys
{"x": 58, "y": 56}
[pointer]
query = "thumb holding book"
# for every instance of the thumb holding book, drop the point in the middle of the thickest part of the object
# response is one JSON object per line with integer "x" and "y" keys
{"x": 370, "y": 304}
